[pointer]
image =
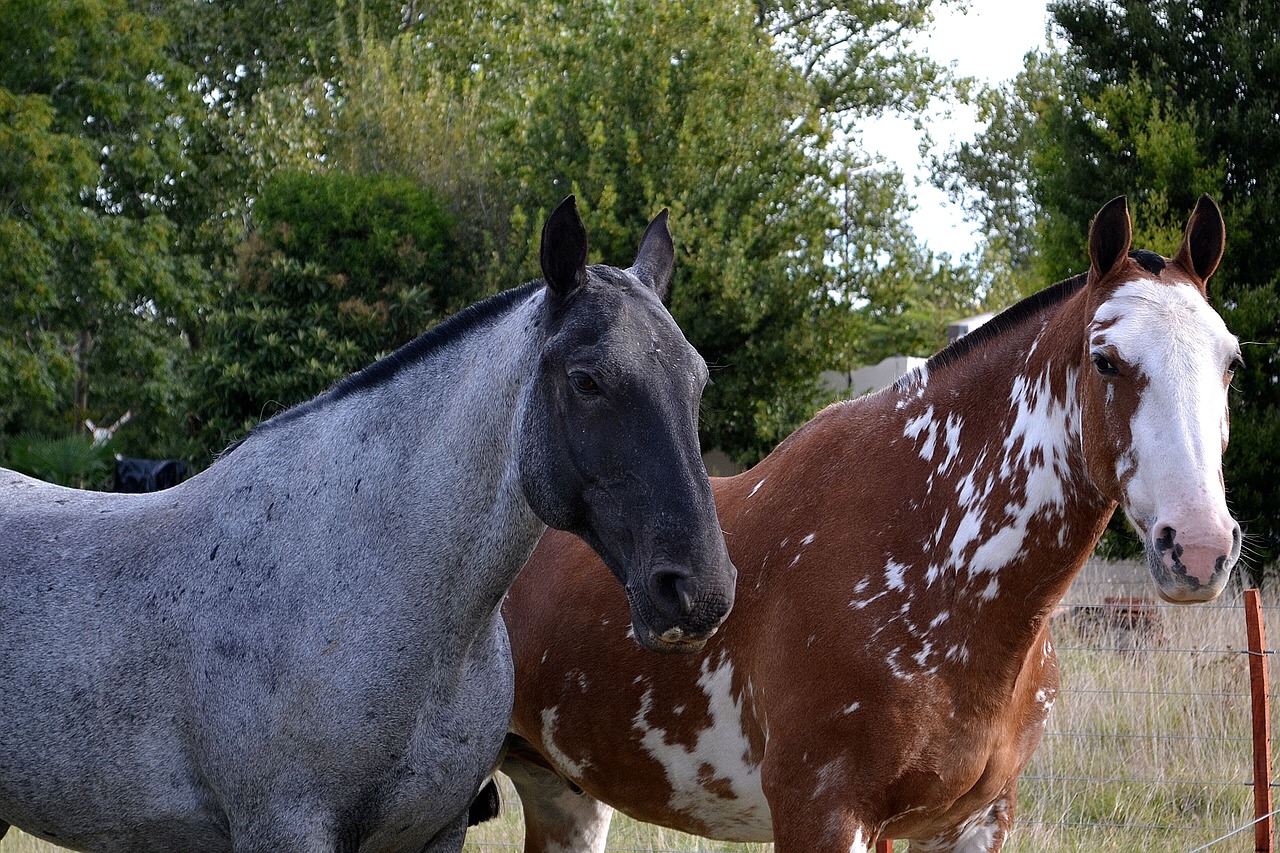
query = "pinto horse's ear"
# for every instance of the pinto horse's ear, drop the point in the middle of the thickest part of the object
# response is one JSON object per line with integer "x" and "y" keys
{"x": 1204, "y": 241}
{"x": 656, "y": 257}
{"x": 564, "y": 248}
{"x": 1109, "y": 236}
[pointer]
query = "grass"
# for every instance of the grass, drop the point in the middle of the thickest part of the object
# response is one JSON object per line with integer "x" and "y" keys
{"x": 1147, "y": 747}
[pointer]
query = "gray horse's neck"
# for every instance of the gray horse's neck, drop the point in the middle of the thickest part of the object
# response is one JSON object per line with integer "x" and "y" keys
{"x": 364, "y": 472}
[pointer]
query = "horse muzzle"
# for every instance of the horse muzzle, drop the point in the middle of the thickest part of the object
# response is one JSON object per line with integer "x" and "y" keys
{"x": 1192, "y": 566}
{"x": 678, "y": 611}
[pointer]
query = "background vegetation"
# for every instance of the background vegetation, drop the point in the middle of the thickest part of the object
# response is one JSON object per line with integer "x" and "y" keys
{"x": 211, "y": 210}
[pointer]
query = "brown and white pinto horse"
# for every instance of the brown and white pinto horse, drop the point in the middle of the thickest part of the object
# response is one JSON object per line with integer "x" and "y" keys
{"x": 887, "y": 670}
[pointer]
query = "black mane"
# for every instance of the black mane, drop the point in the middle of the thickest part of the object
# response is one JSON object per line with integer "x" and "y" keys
{"x": 384, "y": 369}
{"x": 1007, "y": 319}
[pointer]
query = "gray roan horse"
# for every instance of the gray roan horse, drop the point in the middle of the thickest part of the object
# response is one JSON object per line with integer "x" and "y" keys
{"x": 300, "y": 648}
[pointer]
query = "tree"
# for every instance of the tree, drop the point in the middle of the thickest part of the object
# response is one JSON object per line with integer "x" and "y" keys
{"x": 721, "y": 112}
{"x": 1163, "y": 101}
{"x": 724, "y": 113}
{"x": 992, "y": 178}
{"x": 634, "y": 123}
{"x": 341, "y": 270}
{"x": 241, "y": 48}
{"x": 899, "y": 297}
{"x": 97, "y": 287}
{"x": 857, "y": 55}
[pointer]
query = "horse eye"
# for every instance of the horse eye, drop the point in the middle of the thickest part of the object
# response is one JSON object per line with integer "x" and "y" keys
{"x": 1237, "y": 363}
{"x": 584, "y": 383}
{"x": 1104, "y": 365}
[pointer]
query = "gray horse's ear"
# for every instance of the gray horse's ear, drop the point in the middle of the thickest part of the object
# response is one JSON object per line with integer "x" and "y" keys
{"x": 656, "y": 257}
{"x": 1203, "y": 244}
{"x": 1109, "y": 236}
{"x": 564, "y": 248}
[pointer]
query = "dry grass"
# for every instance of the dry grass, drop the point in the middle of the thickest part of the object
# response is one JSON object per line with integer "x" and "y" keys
{"x": 1147, "y": 747}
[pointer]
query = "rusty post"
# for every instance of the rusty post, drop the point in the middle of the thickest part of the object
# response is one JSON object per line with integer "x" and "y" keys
{"x": 1259, "y": 687}
{"x": 884, "y": 845}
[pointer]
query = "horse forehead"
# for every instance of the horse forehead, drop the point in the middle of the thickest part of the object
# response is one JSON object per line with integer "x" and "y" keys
{"x": 617, "y": 306}
{"x": 1158, "y": 325}
{"x": 625, "y": 327}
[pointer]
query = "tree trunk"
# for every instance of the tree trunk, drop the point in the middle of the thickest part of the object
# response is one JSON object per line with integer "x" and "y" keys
{"x": 82, "y": 383}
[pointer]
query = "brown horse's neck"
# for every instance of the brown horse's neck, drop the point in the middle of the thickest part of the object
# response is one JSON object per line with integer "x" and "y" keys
{"x": 966, "y": 488}
{"x": 1014, "y": 511}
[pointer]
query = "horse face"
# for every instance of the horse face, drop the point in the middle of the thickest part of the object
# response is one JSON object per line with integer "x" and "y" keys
{"x": 610, "y": 444}
{"x": 1158, "y": 361}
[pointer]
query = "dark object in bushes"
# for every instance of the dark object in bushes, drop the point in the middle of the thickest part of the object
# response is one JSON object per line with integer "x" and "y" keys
{"x": 148, "y": 475}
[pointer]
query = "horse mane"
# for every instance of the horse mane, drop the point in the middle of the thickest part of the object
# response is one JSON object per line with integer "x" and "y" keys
{"x": 382, "y": 370}
{"x": 1010, "y": 318}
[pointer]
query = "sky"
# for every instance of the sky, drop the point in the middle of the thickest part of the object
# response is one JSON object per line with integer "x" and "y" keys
{"x": 987, "y": 43}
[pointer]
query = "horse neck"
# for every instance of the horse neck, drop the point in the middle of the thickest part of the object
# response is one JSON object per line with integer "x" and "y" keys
{"x": 964, "y": 492}
{"x": 1016, "y": 513}
{"x": 421, "y": 469}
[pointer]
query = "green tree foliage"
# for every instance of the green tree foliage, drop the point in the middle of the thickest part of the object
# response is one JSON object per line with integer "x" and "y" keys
{"x": 161, "y": 122}
{"x": 857, "y": 55}
{"x": 899, "y": 298}
{"x": 96, "y": 289}
{"x": 995, "y": 176}
{"x": 724, "y": 113}
{"x": 1162, "y": 101}
{"x": 721, "y": 111}
{"x": 634, "y": 123}
{"x": 397, "y": 111}
{"x": 241, "y": 48}
{"x": 341, "y": 270}
{"x": 76, "y": 461}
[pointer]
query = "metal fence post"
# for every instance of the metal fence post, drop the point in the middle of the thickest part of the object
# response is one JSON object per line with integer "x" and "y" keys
{"x": 1259, "y": 687}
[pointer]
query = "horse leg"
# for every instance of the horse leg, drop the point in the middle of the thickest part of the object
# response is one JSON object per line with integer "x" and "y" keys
{"x": 984, "y": 832}
{"x": 558, "y": 818}
{"x": 816, "y": 807}
{"x": 819, "y": 830}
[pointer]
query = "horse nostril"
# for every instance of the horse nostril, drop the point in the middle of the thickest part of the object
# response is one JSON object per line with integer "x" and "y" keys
{"x": 671, "y": 592}
{"x": 1163, "y": 536}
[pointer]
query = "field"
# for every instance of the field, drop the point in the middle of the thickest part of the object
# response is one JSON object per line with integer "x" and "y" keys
{"x": 1147, "y": 747}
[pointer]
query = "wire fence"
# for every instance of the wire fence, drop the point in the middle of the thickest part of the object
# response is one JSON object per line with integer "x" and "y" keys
{"x": 1150, "y": 745}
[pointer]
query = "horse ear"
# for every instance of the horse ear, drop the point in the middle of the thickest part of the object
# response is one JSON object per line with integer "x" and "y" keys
{"x": 564, "y": 248}
{"x": 1204, "y": 241}
{"x": 1109, "y": 236}
{"x": 656, "y": 256}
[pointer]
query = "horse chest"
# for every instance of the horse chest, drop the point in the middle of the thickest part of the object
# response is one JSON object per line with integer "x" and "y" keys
{"x": 691, "y": 755}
